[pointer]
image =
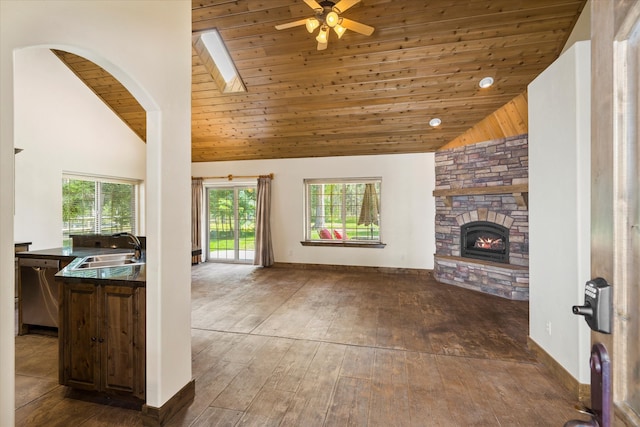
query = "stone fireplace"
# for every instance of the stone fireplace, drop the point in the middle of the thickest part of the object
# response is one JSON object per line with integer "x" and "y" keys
{"x": 482, "y": 218}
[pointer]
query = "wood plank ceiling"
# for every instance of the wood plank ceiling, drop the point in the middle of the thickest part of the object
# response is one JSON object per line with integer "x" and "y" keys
{"x": 363, "y": 94}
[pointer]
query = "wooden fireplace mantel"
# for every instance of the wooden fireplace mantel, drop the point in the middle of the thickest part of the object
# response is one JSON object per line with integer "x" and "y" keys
{"x": 520, "y": 192}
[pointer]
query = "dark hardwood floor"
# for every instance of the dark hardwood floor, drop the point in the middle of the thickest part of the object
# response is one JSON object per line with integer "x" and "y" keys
{"x": 302, "y": 347}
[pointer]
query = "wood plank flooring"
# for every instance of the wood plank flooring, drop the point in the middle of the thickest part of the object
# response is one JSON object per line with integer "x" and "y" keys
{"x": 300, "y": 347}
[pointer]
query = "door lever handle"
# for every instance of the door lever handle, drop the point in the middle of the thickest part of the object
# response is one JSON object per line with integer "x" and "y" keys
{"x": 583, "y": 310}
{"x": 598, "y": 305}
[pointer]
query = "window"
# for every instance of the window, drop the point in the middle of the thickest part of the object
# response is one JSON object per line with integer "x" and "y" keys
{"x": 98, "y": 206}
{"x": 343, "y": 210}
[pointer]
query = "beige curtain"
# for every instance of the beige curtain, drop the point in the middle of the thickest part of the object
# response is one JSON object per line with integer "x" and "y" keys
{"x": 196, "y": 218}
{"x": 264, "y": 249}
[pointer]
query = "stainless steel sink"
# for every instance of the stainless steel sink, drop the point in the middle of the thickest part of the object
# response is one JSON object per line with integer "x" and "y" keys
{"x": 105, "y": 261}
{"x": 108, "y": 257}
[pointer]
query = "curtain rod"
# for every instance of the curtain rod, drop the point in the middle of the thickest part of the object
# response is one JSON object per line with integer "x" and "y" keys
{"x": 231, "y": 177}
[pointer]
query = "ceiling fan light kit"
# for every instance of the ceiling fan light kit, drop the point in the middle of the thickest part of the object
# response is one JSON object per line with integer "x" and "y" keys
{"x": 340, "y": 30}
{"x": 327, "y": 17}
{"x": 332, "y": 19}
{"x": 323, "y": 35}
{"x": 312, "y": 24}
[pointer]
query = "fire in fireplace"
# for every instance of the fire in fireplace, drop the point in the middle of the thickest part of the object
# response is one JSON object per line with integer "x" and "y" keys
{"x": 484, "y": 240}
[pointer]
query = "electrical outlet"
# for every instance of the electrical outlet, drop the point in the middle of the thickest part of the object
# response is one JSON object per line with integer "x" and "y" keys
{"x": 548, "y": 327}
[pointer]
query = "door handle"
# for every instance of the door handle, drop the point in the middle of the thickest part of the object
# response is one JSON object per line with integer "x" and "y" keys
{"x": 598, "y": 305}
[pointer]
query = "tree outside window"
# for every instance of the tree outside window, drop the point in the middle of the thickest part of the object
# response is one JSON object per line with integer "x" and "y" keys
{"x": 345, "y": 210}
{"x": 97, "y": 207}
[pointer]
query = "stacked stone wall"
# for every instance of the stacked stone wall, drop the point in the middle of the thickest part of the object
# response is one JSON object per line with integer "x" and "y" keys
{"x": 500, "y": 163}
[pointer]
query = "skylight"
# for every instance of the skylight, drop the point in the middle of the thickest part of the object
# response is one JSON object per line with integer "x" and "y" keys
{"x": 215, "y": 57}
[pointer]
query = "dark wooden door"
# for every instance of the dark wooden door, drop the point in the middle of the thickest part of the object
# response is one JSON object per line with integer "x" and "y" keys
{"x": 118, "y": 324}
{"x": 80, "y": 346}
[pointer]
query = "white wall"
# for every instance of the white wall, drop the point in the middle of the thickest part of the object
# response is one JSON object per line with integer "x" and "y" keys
{"x": 407, "y": 206}
{"x": 147, "y": 47}
{"x": 559, "y": 208}
{"x": 62, "y": 127}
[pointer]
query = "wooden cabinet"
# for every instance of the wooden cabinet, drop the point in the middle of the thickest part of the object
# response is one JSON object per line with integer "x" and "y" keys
{"x": 102, "y": 338}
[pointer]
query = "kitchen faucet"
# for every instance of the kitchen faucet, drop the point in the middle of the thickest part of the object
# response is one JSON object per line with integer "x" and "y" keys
{"x": 137, "y": 246}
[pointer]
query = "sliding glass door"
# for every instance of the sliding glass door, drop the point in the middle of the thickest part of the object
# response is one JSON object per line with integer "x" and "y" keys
{"x": 232, "y": 223}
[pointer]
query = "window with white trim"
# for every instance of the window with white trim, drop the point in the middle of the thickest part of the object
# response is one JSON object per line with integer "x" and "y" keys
{"x": 98, "y": 205}
{"x": 345, "y": 210}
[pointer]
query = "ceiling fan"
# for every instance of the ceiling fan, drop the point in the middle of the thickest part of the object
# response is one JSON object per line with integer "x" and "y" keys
{"x": 327, "y": 17}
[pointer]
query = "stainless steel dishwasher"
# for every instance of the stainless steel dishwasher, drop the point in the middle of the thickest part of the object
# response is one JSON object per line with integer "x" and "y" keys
{"x": 39, "y": 292}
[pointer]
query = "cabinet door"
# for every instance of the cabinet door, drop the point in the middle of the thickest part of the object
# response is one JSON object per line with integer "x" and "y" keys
{"x": 121, "y": 347}
{"x": 79, "y": 340}
{"x": 140, "y": 344}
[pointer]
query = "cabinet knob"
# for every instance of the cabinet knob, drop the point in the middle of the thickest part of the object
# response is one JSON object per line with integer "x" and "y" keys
{"x": 101, "y": 340}
{"x": 93, "y": 339}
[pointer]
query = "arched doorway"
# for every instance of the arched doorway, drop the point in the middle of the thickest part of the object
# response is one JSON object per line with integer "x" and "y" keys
{"x": 97, "y": 31}
{"x": 68, "y": 135}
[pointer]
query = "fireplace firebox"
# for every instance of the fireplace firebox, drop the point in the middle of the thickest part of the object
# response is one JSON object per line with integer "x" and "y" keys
{"x": 485, "y": 240}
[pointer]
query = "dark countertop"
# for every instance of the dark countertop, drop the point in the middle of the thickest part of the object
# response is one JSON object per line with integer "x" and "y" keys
{"x": 126, "y": 275}
{"x": 123, "y": 275}
{"x": 69, "y": 253}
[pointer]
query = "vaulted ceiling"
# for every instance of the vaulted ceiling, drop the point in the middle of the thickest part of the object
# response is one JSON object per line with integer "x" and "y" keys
{"x": 363, "y": 94}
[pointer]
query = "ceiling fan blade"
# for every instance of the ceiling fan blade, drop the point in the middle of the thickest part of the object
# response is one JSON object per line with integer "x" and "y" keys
{"x": 343, "y": 5}
{"x": 356, "y": 26}
{"x": 313, "y": 4}
{"x": 322, "y": 46}
{"x": 291, "y": 24}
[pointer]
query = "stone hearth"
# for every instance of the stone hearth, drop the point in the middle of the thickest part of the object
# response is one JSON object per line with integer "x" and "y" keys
{"x": 483, "y": 182}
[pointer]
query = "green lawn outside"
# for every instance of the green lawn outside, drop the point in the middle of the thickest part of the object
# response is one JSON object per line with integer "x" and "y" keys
{"x": 248, "y": 243}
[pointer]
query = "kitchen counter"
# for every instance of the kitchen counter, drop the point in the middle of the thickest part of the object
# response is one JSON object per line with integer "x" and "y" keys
{"x": 22, "y": 246}
{"x": 122, "y": 275}
{"x": 69, "y": 253}
{"x": 126, "y": 275}
{"x": 102, "y": 326}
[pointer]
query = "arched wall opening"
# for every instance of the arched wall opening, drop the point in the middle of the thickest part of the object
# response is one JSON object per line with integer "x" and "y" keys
{"x": 132, "y": 40}
{"x": 64, "y": 129}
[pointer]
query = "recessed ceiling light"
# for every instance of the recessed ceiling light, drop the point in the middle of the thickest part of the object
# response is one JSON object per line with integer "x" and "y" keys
{"x": 435, "y": 122}
{"x": 486, "y": 82}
